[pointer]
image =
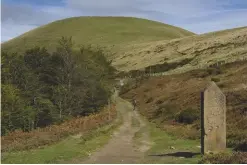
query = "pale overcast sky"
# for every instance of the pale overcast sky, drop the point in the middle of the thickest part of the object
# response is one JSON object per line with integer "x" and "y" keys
{"x": 199, "y": 16}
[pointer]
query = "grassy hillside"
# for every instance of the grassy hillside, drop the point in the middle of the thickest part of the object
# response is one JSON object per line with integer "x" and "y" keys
{"x": 111, "y": 32}
{"x": 163, "y": 99}
{"x": 143, "y": 41}
{"x": 228, "y": 45}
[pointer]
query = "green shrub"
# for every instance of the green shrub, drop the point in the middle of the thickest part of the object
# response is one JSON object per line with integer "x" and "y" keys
{"x": 42, "y": 88}
{"x": 188, "y": 116}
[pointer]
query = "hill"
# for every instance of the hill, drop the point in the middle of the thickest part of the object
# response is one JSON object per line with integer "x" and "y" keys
{"x": 202, "y": 50}
{"x": 110, "y": 32}
{"x": 173, "y": 101}
{"x": 143, "y": 41}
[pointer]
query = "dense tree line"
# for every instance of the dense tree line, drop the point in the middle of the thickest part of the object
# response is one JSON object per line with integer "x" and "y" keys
{"x": 41, "y": 88}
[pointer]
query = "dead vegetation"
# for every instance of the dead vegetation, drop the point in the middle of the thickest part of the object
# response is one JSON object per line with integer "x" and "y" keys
{"x": 205, "y": 49}
{"x": 19, "y": 140}
{"x": 173, "y": 102}
{"x": 226, "y": 158}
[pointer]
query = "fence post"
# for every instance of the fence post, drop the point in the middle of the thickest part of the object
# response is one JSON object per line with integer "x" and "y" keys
{"x": 84, "y": 123}
{"x": 109, "y": 109}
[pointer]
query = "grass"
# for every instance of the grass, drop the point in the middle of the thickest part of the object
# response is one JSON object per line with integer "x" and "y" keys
{"x": 73, "y": 148}
{"x": 18, "y": 140}
{"x": 145, "y": 42}
{"x": 102, "y": 31}
{"x": 162, "y": 142}
{"x": 184, "y": 90}
{"x": 204, "y": 50}
{"x": 167, "y": 144}
{"x": 139, "y": 134}
{"x": 135, "y": 122}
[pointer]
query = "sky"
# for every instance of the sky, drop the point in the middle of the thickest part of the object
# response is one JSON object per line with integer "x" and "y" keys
{"x": 198, "y": 16}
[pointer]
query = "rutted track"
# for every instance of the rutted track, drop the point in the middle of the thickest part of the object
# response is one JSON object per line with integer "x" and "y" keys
{"x": 121, "y": 148}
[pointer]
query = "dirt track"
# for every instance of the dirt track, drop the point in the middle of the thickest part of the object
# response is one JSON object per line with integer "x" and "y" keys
{"x": 121, "y": 148}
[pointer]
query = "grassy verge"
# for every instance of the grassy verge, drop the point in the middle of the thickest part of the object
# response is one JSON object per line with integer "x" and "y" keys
{"x": 139, "y": 137}
{"x": 19, "y": 141}
{"x": 173, "y": 147}
{"x": 166, "y": 148}
{"x": 139, "y": 134}
{"x": 135, "y": 122}
{"x": 169, "y": 149}
{"x": 69, "y": 149}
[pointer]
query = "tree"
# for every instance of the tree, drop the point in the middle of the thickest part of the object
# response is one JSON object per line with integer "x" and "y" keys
{"x": 12, "y": 105}
{"x": 41, "y": 88}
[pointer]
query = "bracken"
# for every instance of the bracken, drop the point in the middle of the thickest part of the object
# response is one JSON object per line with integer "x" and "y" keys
{"x": 19, "y": 140}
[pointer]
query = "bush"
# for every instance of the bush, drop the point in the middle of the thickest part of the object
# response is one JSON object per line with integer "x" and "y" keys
{"x": 225, "y": 158}
{"x": 215, "y": 79}
{"x": 19, "y": 140}
{"x": 241, "y": 147}
{"x": 166, "y": 111}
{"x": 126, "y": 88}
{"x": 159, "y": 101}
{"x": 221, "y": 85}
{"x": 188, "y": 116}
{"x": 182, "y": 131}
{"x": 149, "y": 100}
{"x": 236, "y": 138}
{"x": 146, "y": 90}
{"x": 42, "y": 88}
{"x": 214, "y": 70}
{"x": 199, "y": 73}
{"x": 167, "y": 66}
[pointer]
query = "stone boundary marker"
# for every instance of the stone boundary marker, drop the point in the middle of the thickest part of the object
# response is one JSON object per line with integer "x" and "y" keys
{"x": 213, "y": 119}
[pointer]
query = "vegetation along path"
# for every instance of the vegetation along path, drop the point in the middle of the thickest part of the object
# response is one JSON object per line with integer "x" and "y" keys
{"x": 121, "y": 148}
{"x": 137, "y": 141}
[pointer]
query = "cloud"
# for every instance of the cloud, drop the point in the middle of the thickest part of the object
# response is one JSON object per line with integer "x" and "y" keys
{"x": 216, "y": 21}
{"x": 9, "y": 30}
{"x": 199, "y": 16}
{"x": 179, "y": 8}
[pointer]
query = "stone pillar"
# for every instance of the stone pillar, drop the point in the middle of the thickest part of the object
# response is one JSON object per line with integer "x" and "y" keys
{"x": 213, "y": 119}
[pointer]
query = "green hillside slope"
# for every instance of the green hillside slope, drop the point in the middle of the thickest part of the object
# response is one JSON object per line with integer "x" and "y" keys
{"x": 111, "y": 32}
{"x": 202, "y": 50}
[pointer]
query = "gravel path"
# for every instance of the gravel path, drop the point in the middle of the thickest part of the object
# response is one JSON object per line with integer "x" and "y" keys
{"x": 121, "y": 147}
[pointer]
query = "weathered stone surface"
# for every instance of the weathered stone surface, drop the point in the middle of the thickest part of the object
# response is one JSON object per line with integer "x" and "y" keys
{"x": 213, "y": 117}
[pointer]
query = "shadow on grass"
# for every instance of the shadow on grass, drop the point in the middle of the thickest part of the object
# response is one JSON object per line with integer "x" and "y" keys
{"x": 179, "y": 154}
